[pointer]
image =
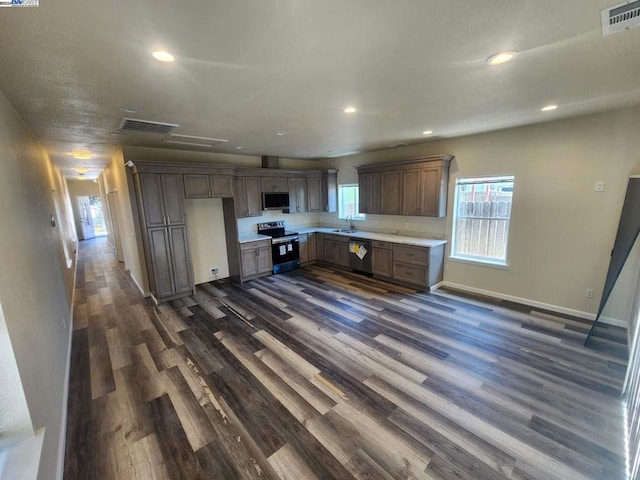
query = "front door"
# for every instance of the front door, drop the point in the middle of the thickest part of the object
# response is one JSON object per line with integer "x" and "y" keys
{"x": 87, "y": 230}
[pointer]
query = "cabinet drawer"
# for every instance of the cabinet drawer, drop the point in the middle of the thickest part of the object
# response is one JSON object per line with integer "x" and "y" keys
{"x": 379, "y": 244}
{"x": 255, "y": 245}
{"x": 336, "y": 238}
{"x": 409, "y": 254}
{"x": 413, "y": 274}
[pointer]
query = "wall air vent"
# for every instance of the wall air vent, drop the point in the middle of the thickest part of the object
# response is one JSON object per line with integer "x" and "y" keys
{"x": 145, "y": 126}
{"x": 620, "y": 17}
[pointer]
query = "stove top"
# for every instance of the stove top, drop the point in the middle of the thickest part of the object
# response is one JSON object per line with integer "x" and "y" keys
{"x": 274, "y": 229}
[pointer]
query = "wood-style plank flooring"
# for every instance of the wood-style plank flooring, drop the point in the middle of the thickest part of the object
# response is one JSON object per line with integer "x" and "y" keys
{"x": 321, "y": 374}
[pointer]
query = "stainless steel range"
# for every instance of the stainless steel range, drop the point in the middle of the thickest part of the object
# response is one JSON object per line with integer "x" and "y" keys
{"x": 285, "y": 246}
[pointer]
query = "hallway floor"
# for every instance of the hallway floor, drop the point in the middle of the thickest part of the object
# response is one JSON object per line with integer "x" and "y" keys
{"x": 323, "y": 374}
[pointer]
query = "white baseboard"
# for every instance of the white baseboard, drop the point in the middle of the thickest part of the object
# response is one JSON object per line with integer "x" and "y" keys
{"x": 65, "y": 405}
{"x": 616, "y": 322}
{"x": 524, "y": 301}
{"x": 144, "y": 294}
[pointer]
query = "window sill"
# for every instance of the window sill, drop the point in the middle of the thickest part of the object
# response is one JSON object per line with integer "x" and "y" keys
{"x": 480, "y": 263}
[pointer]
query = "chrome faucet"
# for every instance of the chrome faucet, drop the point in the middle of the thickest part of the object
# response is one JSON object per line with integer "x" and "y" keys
{"x": 349, "y": 220}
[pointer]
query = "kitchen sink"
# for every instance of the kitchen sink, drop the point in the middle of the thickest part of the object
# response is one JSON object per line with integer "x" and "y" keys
{"x": 344, "y": 230}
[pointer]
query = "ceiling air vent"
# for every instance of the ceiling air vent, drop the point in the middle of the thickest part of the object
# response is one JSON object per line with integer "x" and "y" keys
{"x": 620, "y": 17}
{"x": 145, "y": 126}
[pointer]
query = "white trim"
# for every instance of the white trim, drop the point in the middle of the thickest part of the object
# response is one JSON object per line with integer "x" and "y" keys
{"x": 65, "y": 404}
{"x": 480, "y": 263}
{"x": 22, "y": 460}
{"x": 525, "y": 301}
{"x": 436, "y": 286}
{"x": 144, "y": 294}
{"x": 616, "y": 322}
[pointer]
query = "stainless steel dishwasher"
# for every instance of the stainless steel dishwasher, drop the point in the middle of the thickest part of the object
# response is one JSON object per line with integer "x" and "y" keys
{"x": 360, "y": 255}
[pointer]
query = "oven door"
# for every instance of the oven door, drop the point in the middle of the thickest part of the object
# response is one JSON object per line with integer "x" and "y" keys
{"x": 285, "y": 251}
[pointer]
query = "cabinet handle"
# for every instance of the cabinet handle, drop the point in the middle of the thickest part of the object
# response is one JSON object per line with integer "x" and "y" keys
{"x": 168, "y": 220}
{"x": 409, "y": 254}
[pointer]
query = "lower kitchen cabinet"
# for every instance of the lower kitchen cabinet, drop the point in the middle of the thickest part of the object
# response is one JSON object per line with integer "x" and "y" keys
{"x": 255, "y": 259}
{"x": 382, "y": 258}
{"x": 336, "y": 250}
{"x": 170, "y": 262}
{"x": 421, "y": 267}
{"x": 308, "y": 250}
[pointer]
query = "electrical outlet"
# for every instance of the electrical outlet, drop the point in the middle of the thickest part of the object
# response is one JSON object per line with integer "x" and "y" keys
{"x": 599, "y": 186}
{"x": 214, "y": 271}
{"x": 588, "y": 293}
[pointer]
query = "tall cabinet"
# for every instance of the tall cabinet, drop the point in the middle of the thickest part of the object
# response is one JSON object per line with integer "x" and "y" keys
{"x": 165, "y": 238}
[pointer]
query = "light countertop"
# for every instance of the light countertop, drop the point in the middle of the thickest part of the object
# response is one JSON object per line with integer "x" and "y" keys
{"x": 383, "y": 237}
{"x": 252, "y": 237}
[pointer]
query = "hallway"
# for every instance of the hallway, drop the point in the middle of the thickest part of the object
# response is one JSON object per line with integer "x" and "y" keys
{"x": 325, "y": 374}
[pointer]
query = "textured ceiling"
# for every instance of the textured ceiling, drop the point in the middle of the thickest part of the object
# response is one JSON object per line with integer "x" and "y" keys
{"x": 246, "y": 70}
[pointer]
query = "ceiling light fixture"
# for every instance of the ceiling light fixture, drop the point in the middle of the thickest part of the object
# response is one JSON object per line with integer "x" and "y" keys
{"x": 350, "y": 109}
{"x": 280, "y": 134}
{"x": 427, "y": 132}
{"x": 81, "y": 154}
{"x": 128, "y": 110}
{"x": 81, "y": 170}
{"x": 163, "y": 56}
{"x": 502, "y": 57}
{"x": 239, "y": 148}
{"x": 549, "y": 108}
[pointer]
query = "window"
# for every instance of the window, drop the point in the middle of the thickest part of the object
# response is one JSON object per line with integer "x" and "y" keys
{"x": 481, "y": 219}
{"x": 348, "y": 202}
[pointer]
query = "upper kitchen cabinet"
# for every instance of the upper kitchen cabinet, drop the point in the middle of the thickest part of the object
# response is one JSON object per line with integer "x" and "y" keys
{"x": 162, "y": 199}
{"x": 274, "y": 184}
{"x": 416, "y": 187}
{"x": 314, "y": 194}
{"x": 208, "y": 186}
{"x": 330, "y": 190}
{"x": 297, "y": 194}
{"x": 247, "y": 196}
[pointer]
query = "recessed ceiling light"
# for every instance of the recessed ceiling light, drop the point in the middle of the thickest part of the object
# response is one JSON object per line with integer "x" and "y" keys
{"x": 502, "y": 57}
{"x": 81, "y": 154}
{"x": 350, "y": 109}
{"x": 427, "y": 132}
{"x": 128, "y": 110}
{"x": 239, "y": 148}
{"x": 162, "y": 56}
{"x": 549, "y": 108}
{"x": 280, "y": 134}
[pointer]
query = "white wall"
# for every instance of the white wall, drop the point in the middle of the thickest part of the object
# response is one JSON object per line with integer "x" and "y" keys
{"x": 562, "y": 231}
{"x": 116, "y": 179}
{"x": 36, "y": 280}
{"x": 206, "y": 238}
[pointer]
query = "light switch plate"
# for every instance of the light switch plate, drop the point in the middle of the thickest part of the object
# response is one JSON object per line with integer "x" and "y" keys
{"x": 599, "y": 187}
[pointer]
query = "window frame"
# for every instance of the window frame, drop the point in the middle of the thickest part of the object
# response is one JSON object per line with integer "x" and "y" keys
{"x": 359, "y": 216}
{"x": 480, "y": 260}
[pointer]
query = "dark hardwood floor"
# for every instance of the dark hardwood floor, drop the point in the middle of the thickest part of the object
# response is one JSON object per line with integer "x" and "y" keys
{"x": 325, "y": 374}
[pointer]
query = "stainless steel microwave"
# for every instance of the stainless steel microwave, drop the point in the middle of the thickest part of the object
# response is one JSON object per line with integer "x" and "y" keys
{"x": 275, "y": 200}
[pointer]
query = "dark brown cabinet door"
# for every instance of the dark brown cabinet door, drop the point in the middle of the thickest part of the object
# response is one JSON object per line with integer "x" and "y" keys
{"x": 304, "y": 248}
{"x": 390, "y": 192}
{"x": 274, "y": 184}
{"x": 240, "y": 197}
{"x": 369, "y": 192}
{"x": 314, "y": 194}
{"x": 430, "y": 201}
{"x": 254, "y": 196}
{"x": 181, "y": 259}
{"x": 297, "y": 195}
{"x": 330, "y": 251}
{"x": 161, "y": 262}
{"x": 263, "y": 259}
{"x": 196, "y": 186}
{"x": 249, "y": 262}
{"x": 330, "y": 191}
{"x": 173, "y": 194}
{"x": 342, "y": 253}
{"x": 411, "y": 192}
{"x": 221, "y": 186}
{"x": 312, "y": 247}
{"x": 152, "y": 199}
{"x": 382, "y": 262}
